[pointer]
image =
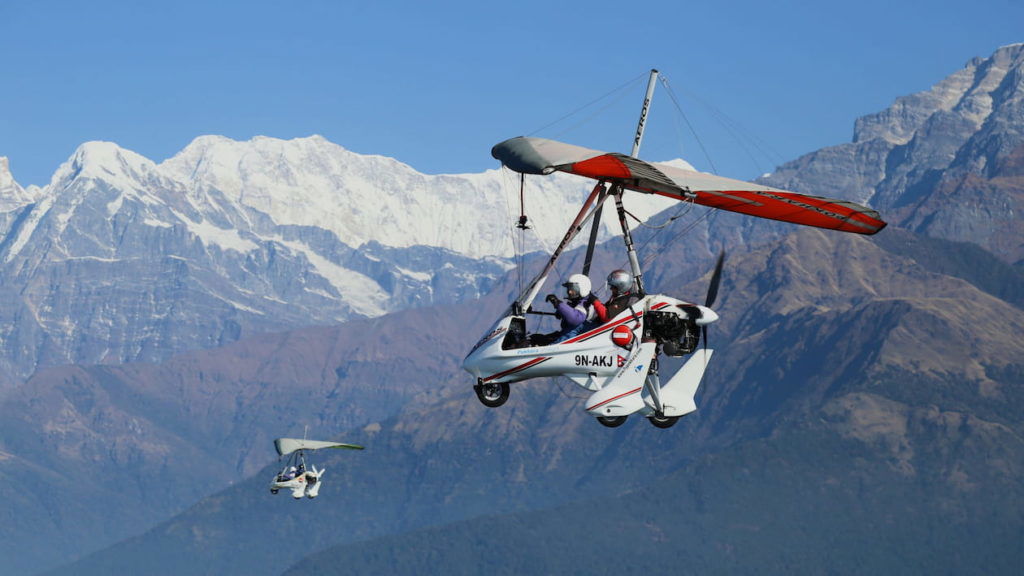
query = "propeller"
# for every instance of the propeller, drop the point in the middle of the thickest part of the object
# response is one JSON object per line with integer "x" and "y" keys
{"x": 716, "y": 279}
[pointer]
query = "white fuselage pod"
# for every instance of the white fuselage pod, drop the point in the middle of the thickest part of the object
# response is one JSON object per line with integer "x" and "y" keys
{"x": 305, "y": 484}
{"x": 590, "y": 359}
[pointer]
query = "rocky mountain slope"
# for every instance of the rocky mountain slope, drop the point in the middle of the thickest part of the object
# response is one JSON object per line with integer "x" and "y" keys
{"x": 826, "y": 342}
{"x": 114, "y": 449}
{"x": 772, "y": 505}
{"x": 947, "y": 162}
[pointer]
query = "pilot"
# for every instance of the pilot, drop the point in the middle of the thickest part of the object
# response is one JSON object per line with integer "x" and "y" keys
{"x": 623, "y": 296}
{"x": 576, "y": 309}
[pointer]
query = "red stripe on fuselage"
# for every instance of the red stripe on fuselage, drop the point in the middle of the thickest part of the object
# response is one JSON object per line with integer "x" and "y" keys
{"x": 599, "y": 404}
{"x": 606, "y": 327}
{"x": 524, "y": 366}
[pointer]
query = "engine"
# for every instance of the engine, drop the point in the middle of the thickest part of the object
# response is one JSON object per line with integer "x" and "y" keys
{"x": 678, "y": 336}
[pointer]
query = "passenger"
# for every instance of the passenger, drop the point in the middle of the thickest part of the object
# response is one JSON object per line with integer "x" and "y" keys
{"x": 573, "y": 312}
{"x": 621, "y": 285}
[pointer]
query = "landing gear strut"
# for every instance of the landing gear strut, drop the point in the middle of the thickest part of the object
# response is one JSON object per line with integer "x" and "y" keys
{"x": 491, "y": 394}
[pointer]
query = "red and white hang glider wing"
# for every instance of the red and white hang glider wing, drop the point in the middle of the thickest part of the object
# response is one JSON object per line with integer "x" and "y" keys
{"x": 540, "y": 156}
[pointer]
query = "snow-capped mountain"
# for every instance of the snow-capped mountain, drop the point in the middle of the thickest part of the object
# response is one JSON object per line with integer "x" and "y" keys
{"x": 122, "y": 259}
{"x": 312, "y": 182}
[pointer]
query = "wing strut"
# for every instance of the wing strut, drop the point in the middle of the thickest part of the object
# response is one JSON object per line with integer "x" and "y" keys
{"x": 526, "y": 297}
{"x": 594, "y": 226}
{"x": 634, "y": 263}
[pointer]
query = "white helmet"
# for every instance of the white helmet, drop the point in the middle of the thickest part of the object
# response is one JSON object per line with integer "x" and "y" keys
{"x": 621, "y": 281}
{"x": 580, "y": 284}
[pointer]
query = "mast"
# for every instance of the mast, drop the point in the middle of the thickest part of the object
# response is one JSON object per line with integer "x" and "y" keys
{"x": 643, "y": 113}
{"x": 634, "y": 262}
{"x": 617, "y": 192}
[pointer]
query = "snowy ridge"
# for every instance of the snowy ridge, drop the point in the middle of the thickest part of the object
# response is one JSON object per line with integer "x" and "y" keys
{"x": 968, "y": 93}
{"x": 24, "y": 232}
{"x": 312, "y": 182}
{"x": 218, "y": 184}
{"x": 12, "y": 195}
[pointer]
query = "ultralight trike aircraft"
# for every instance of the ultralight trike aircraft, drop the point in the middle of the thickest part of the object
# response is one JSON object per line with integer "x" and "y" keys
{"x": 618, "y": 360}
{"x": 295, "y": 476}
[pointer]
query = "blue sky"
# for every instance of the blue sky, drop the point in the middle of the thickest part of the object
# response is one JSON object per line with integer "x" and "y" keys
{"x": 435, "y": 85}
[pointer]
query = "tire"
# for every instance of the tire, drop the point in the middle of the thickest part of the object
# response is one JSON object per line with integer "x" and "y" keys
{"x": 663, "y": 421}
{"x": 612, "y": 421}
{"x": 492, "y": 395}
{"x": 273, "y": 491}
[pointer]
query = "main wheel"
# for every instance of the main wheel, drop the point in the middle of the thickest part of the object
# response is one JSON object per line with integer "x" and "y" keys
{"x": 663, "y": 421}
{"x": 612, "y": 421}
{"x": 492, "y": 394}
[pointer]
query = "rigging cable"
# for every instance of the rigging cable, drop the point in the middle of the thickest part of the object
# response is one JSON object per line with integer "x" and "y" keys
{"x": 561, "y": 134}
{"x": 589, "y": 104}
{"x": 686, "y": 206}
{"x": 518, "y": 240}
{"x": 706, "y": 216}
{"x": 523, "y": 226}
{"x": 743, "y": 137}
{"x": 679, "y": 109}
{"x": 733, "y": 129}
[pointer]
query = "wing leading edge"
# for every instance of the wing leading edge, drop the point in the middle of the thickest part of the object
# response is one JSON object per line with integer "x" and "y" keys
{"x": 286, "y": 446}
{"x": 541, "y": 156}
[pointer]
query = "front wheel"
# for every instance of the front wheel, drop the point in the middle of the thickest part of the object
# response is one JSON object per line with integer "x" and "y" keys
{"x": 492, "y": 394}
{"x": 663, "y": 421}
{"x": 612, "y": 421}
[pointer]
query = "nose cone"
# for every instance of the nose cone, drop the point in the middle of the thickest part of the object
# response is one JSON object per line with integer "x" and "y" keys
{"x": 475, "y": 361}
{"x": 471, "y": 364}
{"x": 707, "y": 316}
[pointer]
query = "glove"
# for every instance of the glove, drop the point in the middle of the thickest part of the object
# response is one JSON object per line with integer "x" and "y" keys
{"x": 552, "y": 299}
{"x": 591, "y": 299}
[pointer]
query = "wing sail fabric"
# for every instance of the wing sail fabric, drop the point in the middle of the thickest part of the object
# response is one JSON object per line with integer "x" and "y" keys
{"x": 541, "y": 156}
{"x": 286, "y": 446}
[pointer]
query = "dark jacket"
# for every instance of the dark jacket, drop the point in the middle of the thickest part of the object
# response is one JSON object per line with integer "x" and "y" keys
{"x": 615, "y": 306}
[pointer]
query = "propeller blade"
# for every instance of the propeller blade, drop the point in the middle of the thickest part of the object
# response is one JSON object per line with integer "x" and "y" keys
{"x": 716, "y": 278}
